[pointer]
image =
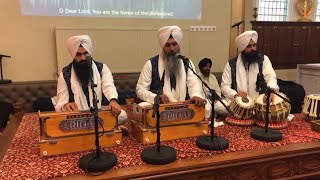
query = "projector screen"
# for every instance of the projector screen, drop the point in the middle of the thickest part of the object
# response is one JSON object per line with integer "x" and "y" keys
{"x": 159, "y": 9}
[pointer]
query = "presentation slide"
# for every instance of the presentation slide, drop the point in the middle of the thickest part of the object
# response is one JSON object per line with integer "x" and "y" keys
{"x": 158, "y": 9}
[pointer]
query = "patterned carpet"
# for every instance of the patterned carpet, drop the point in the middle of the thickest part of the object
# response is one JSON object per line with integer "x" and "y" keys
{"x": 22, "y": 160}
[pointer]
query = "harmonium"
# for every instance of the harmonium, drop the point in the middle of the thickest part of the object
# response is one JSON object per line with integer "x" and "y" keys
{"x": 177, "y": 120}
{"x": 68, "y": 132}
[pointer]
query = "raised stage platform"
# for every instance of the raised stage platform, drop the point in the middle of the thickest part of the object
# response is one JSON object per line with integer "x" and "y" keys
{"x": 296, "y": 156}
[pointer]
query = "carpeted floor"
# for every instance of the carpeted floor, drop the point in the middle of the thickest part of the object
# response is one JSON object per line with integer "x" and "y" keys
{"x": 22, "y": 160}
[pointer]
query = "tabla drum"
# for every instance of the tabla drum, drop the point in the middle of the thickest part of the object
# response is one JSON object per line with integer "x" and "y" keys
{"x": 243, "y": 109}
{"x": 311, "y": 108}
{"x": 278, "y": 112}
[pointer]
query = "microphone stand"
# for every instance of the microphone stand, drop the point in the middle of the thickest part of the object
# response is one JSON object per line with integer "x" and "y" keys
{"x": 267, "y": 134}
{"x": 97, "y": 161}
{"x": 211, "y": 142}
{"x": 158, "y": 155}
{"x": 3, "y": 81}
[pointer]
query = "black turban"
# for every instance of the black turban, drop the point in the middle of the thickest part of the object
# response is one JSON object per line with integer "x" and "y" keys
{"x": 204, "y": 62}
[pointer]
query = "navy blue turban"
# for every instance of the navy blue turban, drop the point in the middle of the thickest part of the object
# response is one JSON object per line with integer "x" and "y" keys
{"x": 204, "y": 62}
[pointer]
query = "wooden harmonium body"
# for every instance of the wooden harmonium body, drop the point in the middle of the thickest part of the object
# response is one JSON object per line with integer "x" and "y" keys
{"x": 177, "y": 120}
{"x": 67, "y": 132}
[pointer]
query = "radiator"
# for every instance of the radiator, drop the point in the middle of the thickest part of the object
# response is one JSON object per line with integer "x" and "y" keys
{"x": 123, "y": 50}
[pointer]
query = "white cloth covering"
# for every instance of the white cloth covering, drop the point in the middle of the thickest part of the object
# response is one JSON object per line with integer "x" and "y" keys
{"x": 190, "y": 80}
{"x": 165, "y": 32}
{"x": 74, "y": 42}
{"x": 246, "y": 80}
{"x": 243, "y": 39}
{"x": 218, "y": 107}
{"x": 105, "y": 84}
{"x": 212, "y": 83}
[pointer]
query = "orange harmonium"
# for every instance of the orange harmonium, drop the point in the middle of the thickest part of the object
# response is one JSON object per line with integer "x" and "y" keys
{"x": 177, "y": 120}
{"x": 67, "y": 132}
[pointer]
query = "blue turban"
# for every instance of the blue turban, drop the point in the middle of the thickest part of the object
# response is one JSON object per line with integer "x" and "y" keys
{"x": 204, "y": 62}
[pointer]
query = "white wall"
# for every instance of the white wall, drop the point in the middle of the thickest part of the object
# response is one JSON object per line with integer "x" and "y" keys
{"x": 30, "y": 40}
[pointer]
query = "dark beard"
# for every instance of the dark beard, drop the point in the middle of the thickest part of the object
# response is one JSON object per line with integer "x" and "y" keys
{"x": 251, "y": 57}
{"x": 82, "y": 71}
{"x": 172, "y": 64}
{"x": 206, "y": 73}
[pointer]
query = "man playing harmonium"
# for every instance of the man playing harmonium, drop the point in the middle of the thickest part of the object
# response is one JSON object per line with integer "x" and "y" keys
{"x": 74, "y": 89}
{"x": 179, "y": 81}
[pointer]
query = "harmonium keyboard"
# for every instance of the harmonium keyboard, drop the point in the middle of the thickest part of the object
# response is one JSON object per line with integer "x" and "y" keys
{"x": 67, "y": 132}
{"x": 177, "y": 120}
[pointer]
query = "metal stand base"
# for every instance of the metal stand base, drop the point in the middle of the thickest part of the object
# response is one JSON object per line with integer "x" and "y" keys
{"x": 269, "y": 136}
{"x": 91, "y": 163}
{"x": 5, "y": 81}
{"x": 166, "y": 155}
{"x": 218, "y": 143}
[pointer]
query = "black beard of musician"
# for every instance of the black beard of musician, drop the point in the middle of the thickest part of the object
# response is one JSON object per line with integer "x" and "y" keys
{"x": 82, "y": 71}
{"x": 173, "y": 66}
{"x": 251, "y": 57}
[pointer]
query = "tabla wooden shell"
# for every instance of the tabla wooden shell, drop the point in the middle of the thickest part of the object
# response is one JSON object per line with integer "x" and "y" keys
{"x": 242, "y": 107}
{"x": 278, "y": 110}
{"x": 311, "y": 108}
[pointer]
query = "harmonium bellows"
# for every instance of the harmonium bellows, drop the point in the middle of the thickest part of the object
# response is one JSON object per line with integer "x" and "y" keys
{"x": 177, "y": 120}
{"x": 74, "y": 131}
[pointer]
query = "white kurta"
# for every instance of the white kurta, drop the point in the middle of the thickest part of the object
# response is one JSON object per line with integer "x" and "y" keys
{"x": 246, "y": 80}
{"x": 213, "y": 84}
{"x": 190, "y": 80}
{"x": 104, "y": 83}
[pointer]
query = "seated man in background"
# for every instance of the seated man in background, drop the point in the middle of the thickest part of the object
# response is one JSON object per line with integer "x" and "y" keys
{"x": 179, "y": 82}
{"x": 211, "y": 80}
{"x": 74, "y": 87}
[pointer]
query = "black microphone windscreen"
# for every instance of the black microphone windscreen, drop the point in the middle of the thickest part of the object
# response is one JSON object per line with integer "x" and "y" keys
{"x": 177, "y": 55}
{"x": 237, "y": 24}
{"x": 180, "y": 56}
{"x": 185, "y": 60}
{"x": 88, "y": 58}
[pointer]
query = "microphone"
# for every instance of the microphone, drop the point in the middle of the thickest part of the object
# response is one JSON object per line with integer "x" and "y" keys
{"x": 159, "y": 92}
{"x": 177, "y": 55}
{"x": 89, "y": 60}
{"x": 259, "y": 83}
{"x": 237, "y": 24}
{"x": 184, "y": 59}
{"x": 2, "y": 55}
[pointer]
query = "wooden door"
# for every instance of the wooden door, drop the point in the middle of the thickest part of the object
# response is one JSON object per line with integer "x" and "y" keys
{"x": 289, "y": 43}
{"x": 284, "y": 50}
{"x": 268, "y": 38}
{"x": 313, "y": 45}
{"x": 261, "y": 37}
{"x": 300, "y": 42}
